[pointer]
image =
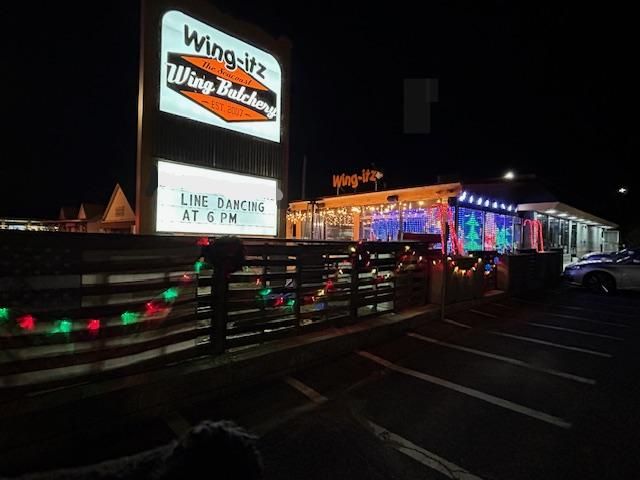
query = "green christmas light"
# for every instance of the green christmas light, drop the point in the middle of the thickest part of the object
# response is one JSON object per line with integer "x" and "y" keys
{"x": 4, "y": 313}
{"x": 63, "y": 326}
{"x": 291, "y": 302}
{"x": 170, "y": 294}
{"x": 472, "y": 239}
{"x": 129, "y": 318}
{"x": 264, "y": 292}
{"x": 198, "y": 266}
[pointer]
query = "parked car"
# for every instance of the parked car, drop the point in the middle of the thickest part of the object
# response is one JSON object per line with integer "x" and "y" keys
{"x": 596, "y": 256}
{"x": 605, "y": 274}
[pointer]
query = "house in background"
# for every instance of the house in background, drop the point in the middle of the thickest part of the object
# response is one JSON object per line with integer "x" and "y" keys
{"x": 118, "y": 217}
{"x": 91, "y": 214}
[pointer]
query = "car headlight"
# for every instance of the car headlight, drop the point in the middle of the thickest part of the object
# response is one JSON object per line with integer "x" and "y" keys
{"x": 573, "y": 267}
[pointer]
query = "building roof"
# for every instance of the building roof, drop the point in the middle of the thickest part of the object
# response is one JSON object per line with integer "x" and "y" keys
{"x": 566, "y": 212}
{"x": 118, "y": 210}
{"x": 68, "y": 213}
{"x": 411, "y": 194}
{"x": 90, "y": 211}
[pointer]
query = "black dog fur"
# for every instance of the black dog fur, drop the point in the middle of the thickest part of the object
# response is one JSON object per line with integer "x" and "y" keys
{"x": 211, "y": 450}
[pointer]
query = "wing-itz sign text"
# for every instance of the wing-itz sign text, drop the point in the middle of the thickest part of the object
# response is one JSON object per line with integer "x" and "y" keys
{"x": 209, "y": 76}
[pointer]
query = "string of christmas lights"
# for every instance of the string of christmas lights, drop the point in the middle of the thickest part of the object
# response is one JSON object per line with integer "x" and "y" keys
{"x": 159, "y": 304}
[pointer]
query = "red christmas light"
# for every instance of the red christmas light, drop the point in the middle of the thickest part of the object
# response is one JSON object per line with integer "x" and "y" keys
{"x": 154, "y": 307}
{"x": 93, "y": 326}
{"x": 279, "y": 302}
{"x": 203, "y": 242}
{"x": 329, "y": 286}
{"x": 27, "y": 322}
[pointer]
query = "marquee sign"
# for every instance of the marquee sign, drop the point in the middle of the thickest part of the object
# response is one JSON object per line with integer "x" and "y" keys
{"x": 202, "y": 200}
{"x": 209, "y": 76}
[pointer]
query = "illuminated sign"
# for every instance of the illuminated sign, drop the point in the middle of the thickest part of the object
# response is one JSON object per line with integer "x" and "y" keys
{"x": 354, "y": 179}
{"x": 209, "y": 76}
{"x": 201, "y": 200}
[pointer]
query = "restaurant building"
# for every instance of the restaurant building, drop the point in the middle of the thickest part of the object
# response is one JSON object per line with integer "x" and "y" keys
{"x": 502, "y": 216}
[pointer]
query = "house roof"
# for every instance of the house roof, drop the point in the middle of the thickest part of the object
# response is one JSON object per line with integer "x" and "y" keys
{"x": 68, "y": 213}
{"x": 118, "y": 198}
{"x": 90, "y": 211}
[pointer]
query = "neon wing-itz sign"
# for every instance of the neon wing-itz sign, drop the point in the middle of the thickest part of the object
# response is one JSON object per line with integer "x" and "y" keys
{"x": 353, "y": 180}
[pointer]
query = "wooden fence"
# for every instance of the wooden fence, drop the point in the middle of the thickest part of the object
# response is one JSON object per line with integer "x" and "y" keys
{"x": 74, "y": 307}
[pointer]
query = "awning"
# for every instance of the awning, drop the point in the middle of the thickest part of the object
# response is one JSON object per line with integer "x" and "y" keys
{"x": 567, "y": 212}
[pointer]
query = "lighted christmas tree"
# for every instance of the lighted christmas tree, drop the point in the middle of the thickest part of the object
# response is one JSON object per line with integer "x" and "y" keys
{"x": 501, "y": 239}
{"x": 471, "y": 238}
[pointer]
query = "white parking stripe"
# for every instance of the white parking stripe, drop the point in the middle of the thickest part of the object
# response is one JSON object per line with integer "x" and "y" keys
{"x": 589, "y": 320}
{"x": 457, "y": 324}
{"x": 425, "y": 457}
{"x": 502, "y": 305}
{"x": 484, "y": 314}
{"x": 573, "y": 307}
{"x": 511, "y": 361}
{"x": 306, "y": 390}
{"x": 551, "y": 344}
{"x": 579, "y": 332}
{"x": 506, "y": 404}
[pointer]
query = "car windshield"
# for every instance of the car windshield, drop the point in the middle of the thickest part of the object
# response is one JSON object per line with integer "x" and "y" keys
{"x": 623, "y": 256}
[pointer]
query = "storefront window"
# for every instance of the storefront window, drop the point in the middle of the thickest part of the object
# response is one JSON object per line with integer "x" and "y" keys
{"x": 504, "y": 233}
{"x": 470, "y": 228}
{"x": 564, "y": 235}
{"x": 553, "y": 240}
{"x": 490, "y": 231}
{"x": 339, "y": 232}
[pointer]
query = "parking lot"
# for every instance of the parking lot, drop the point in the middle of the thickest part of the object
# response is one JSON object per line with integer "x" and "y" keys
{"x": 542, "y": 387}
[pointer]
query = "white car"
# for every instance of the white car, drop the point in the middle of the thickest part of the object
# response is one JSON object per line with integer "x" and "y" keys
{"x": 606, "y": 274}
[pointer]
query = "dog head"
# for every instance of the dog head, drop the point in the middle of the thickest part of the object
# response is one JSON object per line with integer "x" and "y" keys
{"x": 215, "y": 450}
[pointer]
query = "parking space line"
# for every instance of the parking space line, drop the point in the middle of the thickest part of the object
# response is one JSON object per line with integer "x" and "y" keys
{"x": 551, "y": 344}
{"x": 579, "y": 332}
{"x": 484, "y": 314}
{"x": 306, "y": 390}
{"x": 502, "y": 305}
{"x": 573, "y": 307}
{"x": 425, "y": 457}
{"x": 589, "y": 320}
{"x": 500, "y": 402}
{"x": 457, "y": 324}
{"x": 511, "y": 361}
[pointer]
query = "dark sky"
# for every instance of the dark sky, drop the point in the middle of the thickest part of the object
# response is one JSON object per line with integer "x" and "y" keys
{"x": 550, "y": 90}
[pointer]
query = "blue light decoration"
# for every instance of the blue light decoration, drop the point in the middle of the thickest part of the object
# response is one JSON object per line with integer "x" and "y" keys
{"x": 470, "y": 226}
{"x": 481, "y": 226}
{"x": 385, "y": 226}
{"x": 421, "y": 220}
{"x": 504, "y": 233}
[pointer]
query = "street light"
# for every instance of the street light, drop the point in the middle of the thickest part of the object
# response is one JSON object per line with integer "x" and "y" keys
{"x": 623, "y": 190}
{"x": 509, "y": 175}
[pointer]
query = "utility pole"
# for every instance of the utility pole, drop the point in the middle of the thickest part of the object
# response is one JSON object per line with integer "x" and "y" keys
{"x": 304, "y": 176}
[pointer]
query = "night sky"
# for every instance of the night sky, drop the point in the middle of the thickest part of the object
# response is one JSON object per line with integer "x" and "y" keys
{"x": 546, "y": 90}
